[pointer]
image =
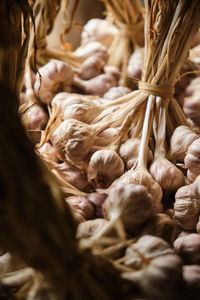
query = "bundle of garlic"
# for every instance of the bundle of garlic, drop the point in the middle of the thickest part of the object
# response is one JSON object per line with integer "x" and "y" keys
{"x": 127, "y": 16}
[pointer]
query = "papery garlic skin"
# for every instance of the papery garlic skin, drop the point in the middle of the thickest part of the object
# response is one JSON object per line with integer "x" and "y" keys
{"x": 73, "y": 139}
{"x": 188, "y": 247}
{"x": 129, "y": 151}
{"x": 187, "y": 207}
{"x": 181, "y": 139}
{"x": 169, "y": 177}
{"x": 104, "y": 167}
{"x": 131, "y": 203}
{"x": 56, "y": 76}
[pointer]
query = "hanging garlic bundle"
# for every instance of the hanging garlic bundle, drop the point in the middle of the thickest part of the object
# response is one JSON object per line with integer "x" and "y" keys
{"x": 128, "y": 18}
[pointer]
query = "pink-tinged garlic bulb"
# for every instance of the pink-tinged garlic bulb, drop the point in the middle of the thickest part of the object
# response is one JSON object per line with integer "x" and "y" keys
{"x": 188, "y": 247}
{"x": 73, "y": 139}
{"x": 142, "y": 177}
{"x": 92, "y": 49}
{"x": 34, "y": 120}
{"x": 116, "y": 92}
{"x": 98, "y": 30}
{"x": 89, "y": 228}
{"x": 192, "y": 158}
{"x": 129, "y": 151}
{"x": 181, "y": 139}
{"x": 104, "y": 167}
{"x": 97, "y": 199}
{"x": 48, "y": 152}
{"x": 56, "y": 76}
{"x": 169, "y": 177}
{"x": 81, "y": 108}
{"x": 135, "y": 63}
{"x": 81, "y": 206}
{"x": 71, "y": 174}
{"x": 91, "y": 67}
{"x": 144, "y": 250}
{"x": 98, "y": 85}
{"x": 132, "y": 204}
{"x": 187, "y": 207}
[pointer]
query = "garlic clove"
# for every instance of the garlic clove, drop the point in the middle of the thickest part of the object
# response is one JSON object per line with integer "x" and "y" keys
{"x": 192, "y": 158}
{"x": 131, "y": 203}
{"x": 104, "y": 167}
{"x": 169, "y": 177}
{"x": 181, "y": 139}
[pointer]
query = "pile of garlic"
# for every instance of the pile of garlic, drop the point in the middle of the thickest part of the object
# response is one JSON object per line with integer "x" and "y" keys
{"x": 79, "y": 119}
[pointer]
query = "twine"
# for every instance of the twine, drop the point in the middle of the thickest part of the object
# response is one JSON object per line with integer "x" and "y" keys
{"x": 156, "y": 89}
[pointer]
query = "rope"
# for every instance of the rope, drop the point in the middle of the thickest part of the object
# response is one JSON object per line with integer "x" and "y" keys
{"x": 156, "y": 89}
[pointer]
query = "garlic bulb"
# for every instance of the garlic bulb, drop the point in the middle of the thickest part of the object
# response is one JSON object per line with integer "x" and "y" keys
{"x": 81, "y": 206}
{"x": 92, "y": 49}
{"x": 91, "y": 67}
{"x": 145, "y": 249}
{"x": 188, "y": 247}
{"x": 48, "y": 152}
{"x": 142, "y": 177}
{"x": 169, "y": 177}
{"x": 191, "y": 108}
{"x": 73, "y": 139}
{"x": 116, "y": 92}
{"x": 99, "y": 30}
{"x": 131, "y": 203}
{"x": 187, "y": 207}
{"x": 192, "y": 158}
{"x": 98, "y": 85}
{"x": 71, "y": 174}
{"x": 105, "y": 137}
{"x": 90, "y": 228}
{"x": 34, "y": 120}
{"x": 97, "y": 200}
{"x": 181, "y": 139}
{"x": 161, "y": 225}
{"x": 104, "y": 167}
{"x": 135, "y": 63}
{"x": 56, "y": 76}
{"x": 129, "y": 151}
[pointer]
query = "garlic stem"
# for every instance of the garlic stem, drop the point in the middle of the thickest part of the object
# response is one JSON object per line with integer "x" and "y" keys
{"x": 146, "y": 131}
